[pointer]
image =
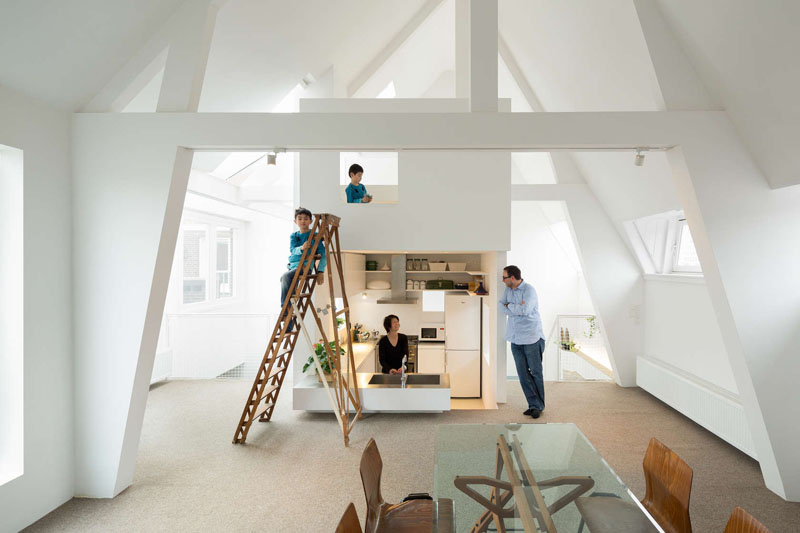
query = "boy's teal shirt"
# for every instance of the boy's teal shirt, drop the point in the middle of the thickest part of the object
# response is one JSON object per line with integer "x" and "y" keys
{"x": 355, "y": 193}
{"x": 296, "y": 241}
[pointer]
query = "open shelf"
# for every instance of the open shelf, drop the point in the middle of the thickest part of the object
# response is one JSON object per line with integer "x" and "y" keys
{"x": 444, "y": 272}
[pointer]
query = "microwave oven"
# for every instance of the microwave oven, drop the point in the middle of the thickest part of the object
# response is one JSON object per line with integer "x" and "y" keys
{"x": 431, "y": 333}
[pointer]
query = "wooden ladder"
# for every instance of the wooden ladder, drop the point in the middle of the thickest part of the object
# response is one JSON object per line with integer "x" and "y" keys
{"x": 269, "y": 378}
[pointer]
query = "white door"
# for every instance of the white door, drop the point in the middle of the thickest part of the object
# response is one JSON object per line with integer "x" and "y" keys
{"x": 462, "y": 318}
{"x": 464, "y": 367}
{"x": 430, "y": 358}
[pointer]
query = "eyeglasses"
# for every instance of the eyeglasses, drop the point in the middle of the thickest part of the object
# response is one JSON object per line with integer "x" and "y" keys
{"x": 506, "y": 277}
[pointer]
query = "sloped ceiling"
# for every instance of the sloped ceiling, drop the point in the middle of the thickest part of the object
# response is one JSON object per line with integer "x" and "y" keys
{"x": 746, "y": 54}
{"x": 63, "y": 53}
{"x": 580, "y": 55}
{"x": 261, "y": 49}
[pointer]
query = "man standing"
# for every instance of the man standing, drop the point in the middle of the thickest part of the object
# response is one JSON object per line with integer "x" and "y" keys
{"x": 524, "y": 332}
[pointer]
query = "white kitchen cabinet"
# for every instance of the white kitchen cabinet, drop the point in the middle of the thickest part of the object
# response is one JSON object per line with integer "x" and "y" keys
{"x": 431, "y": 358}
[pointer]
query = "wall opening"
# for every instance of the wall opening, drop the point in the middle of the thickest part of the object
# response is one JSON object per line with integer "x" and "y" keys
{"x": 11, "y": 314}
{"x": 378, "y": 184}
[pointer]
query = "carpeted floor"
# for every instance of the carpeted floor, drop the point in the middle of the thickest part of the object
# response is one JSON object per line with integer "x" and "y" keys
{"x": 294, "y": 474}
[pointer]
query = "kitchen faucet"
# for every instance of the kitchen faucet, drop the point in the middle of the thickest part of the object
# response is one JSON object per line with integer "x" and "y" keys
{"x": 403, "y": 372}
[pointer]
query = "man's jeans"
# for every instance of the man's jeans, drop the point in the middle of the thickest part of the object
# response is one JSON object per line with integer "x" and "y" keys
{"x": 528, "y": 358}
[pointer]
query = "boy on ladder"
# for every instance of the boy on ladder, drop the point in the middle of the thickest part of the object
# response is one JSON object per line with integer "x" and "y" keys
{"x": 299, "y": 241}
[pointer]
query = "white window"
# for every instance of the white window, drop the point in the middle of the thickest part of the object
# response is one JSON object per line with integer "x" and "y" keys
{"x": 663, "y": 244}
{"x": 685, "y": 255}
{"x": 210, "y": 250}
{"x": 11, "y": 315}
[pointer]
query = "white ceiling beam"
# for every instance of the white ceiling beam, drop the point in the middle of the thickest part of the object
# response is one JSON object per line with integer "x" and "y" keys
{"x": 676, "y": 85}
{"x": 397, "y": 131}
{"x": 189, "y": 46}
{"x": 388, "y": 51}
{"x": 462, "y": 48}
{"x": 483, "y": 55}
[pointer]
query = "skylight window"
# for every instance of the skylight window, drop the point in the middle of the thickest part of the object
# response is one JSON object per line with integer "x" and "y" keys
{"x": 663, "y": 244}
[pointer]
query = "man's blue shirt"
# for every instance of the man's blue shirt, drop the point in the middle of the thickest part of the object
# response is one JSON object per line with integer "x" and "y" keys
{"x": 296, "y": 241}
{"x": 524, "y": 323}
{"x": 355, "y": 193}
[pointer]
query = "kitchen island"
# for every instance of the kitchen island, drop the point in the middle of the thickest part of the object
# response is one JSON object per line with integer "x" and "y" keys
{"x": 381, "y": 393}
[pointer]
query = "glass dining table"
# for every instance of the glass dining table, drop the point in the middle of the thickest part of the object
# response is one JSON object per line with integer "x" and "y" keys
{"x": 530, "y": 477}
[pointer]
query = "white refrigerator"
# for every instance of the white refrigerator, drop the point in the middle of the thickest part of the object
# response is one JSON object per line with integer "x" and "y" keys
{"x": 462, "y": 317}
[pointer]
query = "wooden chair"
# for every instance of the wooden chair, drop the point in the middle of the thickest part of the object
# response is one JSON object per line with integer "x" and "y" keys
{"x": 743, "y": 522}
{"x": 413, "y": 515}
{"x": 668, "y": 482}
{"x": 349, "y": 521}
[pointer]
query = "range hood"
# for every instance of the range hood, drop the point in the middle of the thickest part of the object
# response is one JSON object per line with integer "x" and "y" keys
{"x": 398, "y": 283}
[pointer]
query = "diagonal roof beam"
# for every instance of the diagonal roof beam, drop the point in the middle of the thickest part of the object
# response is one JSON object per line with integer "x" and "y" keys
{"x": 519, "y": 77}
{"x": 388, "y": 51}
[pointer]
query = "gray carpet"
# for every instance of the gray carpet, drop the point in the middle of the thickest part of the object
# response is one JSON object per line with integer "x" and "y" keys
{"x": 294, "y": 474}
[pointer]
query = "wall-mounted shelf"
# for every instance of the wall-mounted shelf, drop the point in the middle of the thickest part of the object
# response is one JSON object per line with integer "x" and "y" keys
{"x": 444, "y": 272}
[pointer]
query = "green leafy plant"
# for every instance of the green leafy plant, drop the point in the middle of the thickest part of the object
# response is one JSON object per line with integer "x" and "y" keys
{"x": 339, "y": 322}
{"x": 322, "y": 354}
{"x": 593, "y": 327}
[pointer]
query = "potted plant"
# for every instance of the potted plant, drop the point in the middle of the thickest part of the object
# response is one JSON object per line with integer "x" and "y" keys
{"x": 324, "y": 360}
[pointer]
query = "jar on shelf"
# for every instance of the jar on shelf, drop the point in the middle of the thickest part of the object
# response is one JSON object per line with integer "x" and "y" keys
{"x": 422, "y": 285}
{"x": 417, "y": 264}
{"x": 409, "y": 284}
{"x": 425, "y": 265}
{"x": 416, "y": 285}
{"x": 409, "y": 264}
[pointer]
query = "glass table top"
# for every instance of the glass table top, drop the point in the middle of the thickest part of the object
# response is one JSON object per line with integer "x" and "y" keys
{"x": 540, "y": 454}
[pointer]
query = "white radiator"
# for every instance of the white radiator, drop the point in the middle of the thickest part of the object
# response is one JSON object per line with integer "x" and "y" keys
{"x": 162, "y": 366}
{"x": 716, "y": 409}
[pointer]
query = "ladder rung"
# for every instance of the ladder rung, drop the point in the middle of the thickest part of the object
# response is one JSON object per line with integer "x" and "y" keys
{"x": 263, "y": 409}
{"x": 277, "y": 370}
{"x": 267, "y": 392}
{"x": 341, "y": 311}
{"x": 304, "y": 295}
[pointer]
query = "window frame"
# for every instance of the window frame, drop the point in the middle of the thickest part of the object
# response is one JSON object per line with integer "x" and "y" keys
{"x": 211, "y": 223}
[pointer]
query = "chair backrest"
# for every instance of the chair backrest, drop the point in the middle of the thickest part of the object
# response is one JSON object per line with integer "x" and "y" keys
{"x": 349, "y": 521}
{"x": 371, "y": 468}
{"x": 743, "y": 522}
{"x": 668, "y": 482}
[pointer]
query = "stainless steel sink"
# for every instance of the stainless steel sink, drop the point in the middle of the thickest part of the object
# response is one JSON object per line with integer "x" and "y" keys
{"x": 411, "y": 379}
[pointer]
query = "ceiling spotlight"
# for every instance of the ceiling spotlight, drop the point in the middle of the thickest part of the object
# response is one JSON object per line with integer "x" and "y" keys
{"x": 639, "y": 159}
{"x": 273, "y": 158}
{"x": 364, "y": 295}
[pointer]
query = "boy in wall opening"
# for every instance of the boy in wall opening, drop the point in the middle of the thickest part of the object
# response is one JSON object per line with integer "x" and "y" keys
{"x": 356, "y": 192}
{"x": 299, "y": 241}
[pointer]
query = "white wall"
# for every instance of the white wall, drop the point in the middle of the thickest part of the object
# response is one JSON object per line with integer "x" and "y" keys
{"x": 681, "y": 329}
{"x": 47, "y": 481}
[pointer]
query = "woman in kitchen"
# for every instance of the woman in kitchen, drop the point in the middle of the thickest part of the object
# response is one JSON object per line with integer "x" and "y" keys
{"x": 392, "y": 347}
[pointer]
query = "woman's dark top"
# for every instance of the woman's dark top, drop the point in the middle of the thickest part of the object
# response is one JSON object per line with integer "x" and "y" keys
{"x": 392, "y": 356}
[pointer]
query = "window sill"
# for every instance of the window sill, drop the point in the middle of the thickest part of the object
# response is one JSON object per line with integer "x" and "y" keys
{"x": 696, "y": 279}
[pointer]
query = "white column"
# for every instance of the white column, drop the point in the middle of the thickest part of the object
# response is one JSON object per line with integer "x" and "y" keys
{"x": 483, "y": 55}
{"x": 746, "y": 235}
{"x": 188, "y": 56}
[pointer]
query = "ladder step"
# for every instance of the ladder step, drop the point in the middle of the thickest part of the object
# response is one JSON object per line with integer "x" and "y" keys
{"x": 263, "y": 409}
{"x": 304, "y": 295}
{"x": 342, "y": 311}
{"x": 277, "y": 370}
{"x": 266, "y": 393}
